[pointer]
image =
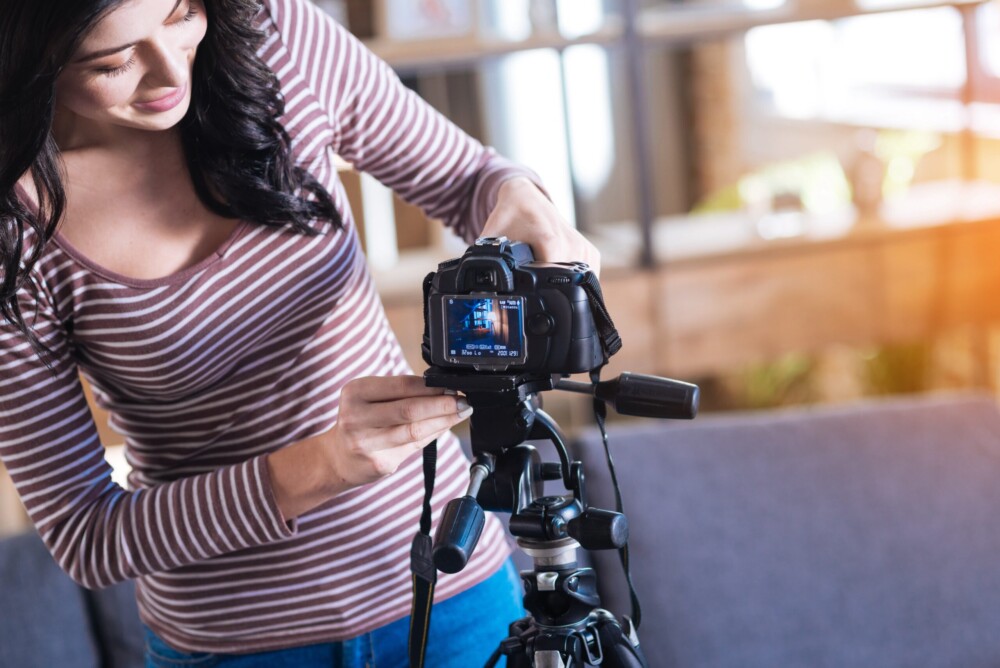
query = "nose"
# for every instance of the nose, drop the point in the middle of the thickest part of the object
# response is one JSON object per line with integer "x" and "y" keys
{"x": 167, "y": 65}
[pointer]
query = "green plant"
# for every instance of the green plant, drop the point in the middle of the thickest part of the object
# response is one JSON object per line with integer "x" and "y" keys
{"x": 899, "y": 368}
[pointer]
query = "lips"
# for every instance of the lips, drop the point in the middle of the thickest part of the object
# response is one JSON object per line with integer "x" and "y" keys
{"x": 165, "y": 103}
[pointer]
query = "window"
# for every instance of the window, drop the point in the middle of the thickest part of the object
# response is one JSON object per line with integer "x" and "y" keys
{"x": 859, "y": 69}
{"x": 988, "y": 20}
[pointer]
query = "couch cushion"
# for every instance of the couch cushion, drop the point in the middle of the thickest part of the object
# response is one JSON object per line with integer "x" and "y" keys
{"x": 117, "y": 625}
{"x": 44, "y": 614}
{"x": 865, "y": 535}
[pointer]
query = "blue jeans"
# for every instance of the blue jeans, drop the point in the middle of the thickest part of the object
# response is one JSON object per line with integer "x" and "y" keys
{"x": 465, "y": 630}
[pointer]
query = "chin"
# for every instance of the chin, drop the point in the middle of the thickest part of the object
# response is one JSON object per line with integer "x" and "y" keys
{"x": 158, "y": 122}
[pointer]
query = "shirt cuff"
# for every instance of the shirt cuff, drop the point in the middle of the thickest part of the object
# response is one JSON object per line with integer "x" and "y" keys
{"x": 271, "y": 525}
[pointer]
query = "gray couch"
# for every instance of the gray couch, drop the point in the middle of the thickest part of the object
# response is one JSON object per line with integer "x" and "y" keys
{"x": 864, "y": 536}
{"x": 861, "y": 536}
{"x": 49, "y": 621}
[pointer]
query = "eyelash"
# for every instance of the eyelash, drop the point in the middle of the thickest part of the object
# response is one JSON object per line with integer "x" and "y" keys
{"x": 128, "y": 64}
{"x": 121, "y": 69}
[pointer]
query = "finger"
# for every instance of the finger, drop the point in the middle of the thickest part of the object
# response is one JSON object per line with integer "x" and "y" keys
{"x": 393, "y": 457}
{"x": 390, "y": 388}
{"x": 412, "y": 409}
{"x": 420, "y": 433}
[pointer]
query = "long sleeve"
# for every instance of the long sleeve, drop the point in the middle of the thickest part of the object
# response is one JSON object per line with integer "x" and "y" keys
{"x": 98, "y": 532}
{"x": 385, "y": 129}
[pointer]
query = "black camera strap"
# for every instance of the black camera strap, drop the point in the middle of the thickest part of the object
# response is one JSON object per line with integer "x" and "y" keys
{"x": 423, "y": 572}
{"x": 611, "y": 341}
{"x": 600, "y": 415}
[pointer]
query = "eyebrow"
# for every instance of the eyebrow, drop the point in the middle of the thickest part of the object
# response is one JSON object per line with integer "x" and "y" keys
{"x": 107, "y": 52}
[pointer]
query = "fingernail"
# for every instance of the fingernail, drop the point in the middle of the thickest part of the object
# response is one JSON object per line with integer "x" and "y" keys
{"x": 465, "y": 413}
{"x": 453, "y": 393}
{"x": 461, "y": 404}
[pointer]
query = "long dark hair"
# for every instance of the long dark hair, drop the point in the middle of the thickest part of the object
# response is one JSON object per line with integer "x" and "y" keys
{"x": 236, "y": 149}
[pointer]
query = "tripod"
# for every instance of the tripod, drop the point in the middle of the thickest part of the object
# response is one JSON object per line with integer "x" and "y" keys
{"x": 566, "y": 627}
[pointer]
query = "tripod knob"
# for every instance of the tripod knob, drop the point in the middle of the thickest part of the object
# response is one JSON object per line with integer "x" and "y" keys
{"x": 457, "y": 534}
{"x": 597, "y": 529}
{"x": 551, "y": 471}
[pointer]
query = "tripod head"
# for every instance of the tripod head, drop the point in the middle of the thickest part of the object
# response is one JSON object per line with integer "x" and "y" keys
{"x": 567, "y": 627}
{"x": 510, "y": 401}
{"x": 508, "y": 476}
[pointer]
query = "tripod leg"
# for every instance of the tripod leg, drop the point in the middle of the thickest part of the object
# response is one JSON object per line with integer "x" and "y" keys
{"x": 492, "y": 661}
{"x": 515, "y": 646}
{"x": 621, "y": 646}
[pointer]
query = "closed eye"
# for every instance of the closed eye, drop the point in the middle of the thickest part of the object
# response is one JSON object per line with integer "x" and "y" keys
{"x": 191, "y": 13}
{"x": 121, "y": 69}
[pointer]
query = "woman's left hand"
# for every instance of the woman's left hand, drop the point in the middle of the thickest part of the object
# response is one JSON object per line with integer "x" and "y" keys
{"x": 524, "y": 213}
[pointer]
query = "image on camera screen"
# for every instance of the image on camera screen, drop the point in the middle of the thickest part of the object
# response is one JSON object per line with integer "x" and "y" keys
{"x": 490, "y": 327}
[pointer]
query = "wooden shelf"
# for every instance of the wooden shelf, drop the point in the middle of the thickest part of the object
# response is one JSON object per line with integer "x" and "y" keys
{"x": 702, "y": 238}
{"x": 688, "y": 23}
{"x": 449, "y": 52}
{"x": 675, "y": 24}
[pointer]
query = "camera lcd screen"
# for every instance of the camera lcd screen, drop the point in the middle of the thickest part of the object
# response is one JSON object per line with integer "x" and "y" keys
{"x": 484, "y": 327}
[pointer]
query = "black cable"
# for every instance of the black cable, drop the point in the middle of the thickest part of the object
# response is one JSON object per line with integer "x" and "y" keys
{"x": 600, "y": 415}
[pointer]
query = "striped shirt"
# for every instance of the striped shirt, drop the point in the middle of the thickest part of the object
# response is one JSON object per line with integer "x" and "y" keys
{"x": 208, "y": 370}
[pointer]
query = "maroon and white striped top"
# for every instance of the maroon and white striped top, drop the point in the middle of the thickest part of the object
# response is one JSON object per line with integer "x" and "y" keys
{"x": 207, "y": 370}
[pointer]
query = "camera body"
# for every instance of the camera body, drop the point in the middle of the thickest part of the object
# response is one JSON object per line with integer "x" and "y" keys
{"x": 496, "y": 310}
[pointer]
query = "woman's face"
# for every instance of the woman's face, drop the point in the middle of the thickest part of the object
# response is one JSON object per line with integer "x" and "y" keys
{"x": 133, "y": 69}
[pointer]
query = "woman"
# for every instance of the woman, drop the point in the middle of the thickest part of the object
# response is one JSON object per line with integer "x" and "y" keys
{"x": 206, "y": 278}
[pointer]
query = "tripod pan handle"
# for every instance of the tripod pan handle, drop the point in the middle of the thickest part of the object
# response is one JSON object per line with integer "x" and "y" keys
{"x": 598, "y": 529}
{"x": 458, "y": 534}
{"x": 650, "y": 396}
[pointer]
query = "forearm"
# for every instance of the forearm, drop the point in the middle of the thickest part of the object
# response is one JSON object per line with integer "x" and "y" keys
{"x": 302, "y": 478}
{"x": 98, "y": 532}
{"x": 109, "y": 534}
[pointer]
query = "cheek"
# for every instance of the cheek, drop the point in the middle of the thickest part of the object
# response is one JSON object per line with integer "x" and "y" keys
{"x": 196, "y": 31}
{"x": 92, "y": 96}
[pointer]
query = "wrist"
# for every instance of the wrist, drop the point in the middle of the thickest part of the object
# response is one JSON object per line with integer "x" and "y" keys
{"x": 303, "y": 476}
{"x": 517, "y": 186}
{"x": 519, "y": 197}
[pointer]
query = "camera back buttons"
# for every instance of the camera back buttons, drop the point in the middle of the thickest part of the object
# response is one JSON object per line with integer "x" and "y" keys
{"x": 541, "y": 324}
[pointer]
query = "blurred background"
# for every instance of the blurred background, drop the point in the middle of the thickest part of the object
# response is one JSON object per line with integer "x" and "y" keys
{"x": 797, "y": 201}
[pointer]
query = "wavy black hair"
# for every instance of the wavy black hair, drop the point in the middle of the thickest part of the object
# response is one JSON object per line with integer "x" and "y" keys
{"x": 236, "y": 149}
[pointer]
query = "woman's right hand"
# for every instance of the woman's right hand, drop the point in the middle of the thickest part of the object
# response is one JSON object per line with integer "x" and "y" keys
{"x": 383, "y": 421}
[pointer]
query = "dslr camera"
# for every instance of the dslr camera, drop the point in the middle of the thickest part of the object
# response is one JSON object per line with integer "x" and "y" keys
{"x": 496, "y": 310}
